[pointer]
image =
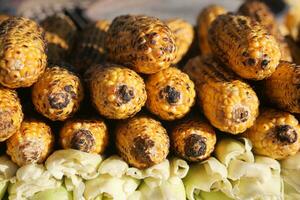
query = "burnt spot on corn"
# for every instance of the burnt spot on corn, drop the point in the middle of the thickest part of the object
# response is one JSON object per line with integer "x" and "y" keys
{"x": 195, "y": 145}
{"x": 6, "y": 123}
{"x": 82, "y": 140}
{"x": 141, "y": 149}
{"x": 58, "y": 100}
{"x": 240, "y": 114}
{"x": 30, "y": 151}
{"x": 70, "y": 90}
{"x": 264, "y": 63}
{"x": 124, "y": 94}
{"x": 251, "y": 62}
{"x": 170, "y": 94}
{"x": 286, "y": 134}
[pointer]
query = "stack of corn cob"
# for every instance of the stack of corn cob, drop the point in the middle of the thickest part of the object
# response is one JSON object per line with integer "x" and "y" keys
{"x": 139, "y": 87}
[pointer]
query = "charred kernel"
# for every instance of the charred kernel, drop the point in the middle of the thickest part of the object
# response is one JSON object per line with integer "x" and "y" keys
{"x": 228, "y": 38}
{"x": 85, "y": 135}
{"x": 57, "y": 94}
{"x": 205, "y": 18}
{"x": 228, "y": 103}
{"x": 117, "y": 92}
{"x": 281, "y": 137}
{"x": 184, "y": 35}
{"x": 60, "y": 33}
{"x": 193, "y": 140}
{"x": 282, "y": 87}
{"x": 58, "y": 100}
{"x": 140, "y": 49}
{"x": 140, "y": 149}
{"x": 195, "y": 145}
{"x": 11, "y": 115}
{"x": 31, "y": 144}
{"x": 125, "y": 94}
{"x": 168, "y": 94}
{"x": 261, "y": 13}
{"x": 142, "y": 141}
{"x": 23, "y": 57}
{"x": 90, "y": 47}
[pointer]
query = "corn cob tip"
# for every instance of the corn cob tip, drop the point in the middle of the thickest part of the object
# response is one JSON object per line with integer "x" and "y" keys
{"x": 240, "y": 114}
{"x": 82, "y": 140}
{"x": 285, "y": 134}
{"x": 195, "y": 146}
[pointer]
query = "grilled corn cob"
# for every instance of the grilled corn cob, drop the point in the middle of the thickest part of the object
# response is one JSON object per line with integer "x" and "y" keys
{"x": 22, "y": 52}
{"x": 142, "y": 141}
{"x": 244, "y": 45}
{"x": 171, "y": 94}
{"x": 59, "y": 31}
{"x": 31, "y": 144}
{"x": 90, "y": 48}
{"x": 193, "y": 140}
{"x": 282, "y": 88}
{"x": 143, "y": 43}
{"x": 11, "y": 115}
{"x": 260, "y": 12}
{"x": 57, "y": 94}
{"x": 3, "y": 18}
{"x": 184, "y": 36}
{"x": 275, "y": 134}
{"x": 90, "y": 136}
{"x": 116, "y": 91}
{"x": 229, "y": 104}
{"x": 204, "y": 20}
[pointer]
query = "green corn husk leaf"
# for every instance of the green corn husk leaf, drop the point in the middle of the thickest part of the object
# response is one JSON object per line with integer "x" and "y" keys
{"x": 291, "y": 172}
{"x": 59, "y": 193}
{"x": 29, "y": 180}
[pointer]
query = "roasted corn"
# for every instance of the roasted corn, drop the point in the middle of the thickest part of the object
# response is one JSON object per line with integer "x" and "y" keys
{"x": 229, "y": 104}
{"x": 22, "y": 52}
{"x": 57, "y": 94}
{"x": 204, "y": 20}
{"x": 275, "y": 134}
{"x": 282, "y": 88}
{"x": 117, "y": 92}
{"x": 143, "y": 43}
{"x": 90, "y": 48}
{"x": 260, "y": 12}
{"x": 193, "y": 140}
{"x": 244, "y": 45}
{"x": 31, "y": 144}
{"x": 171, "y": 94}
{"x": 184, "y": 36}
{"x": 142, "y": 141}
{"x": 11, "y": 115}
{"x": 90, "y": 136}
{"x": 60, "y": 32}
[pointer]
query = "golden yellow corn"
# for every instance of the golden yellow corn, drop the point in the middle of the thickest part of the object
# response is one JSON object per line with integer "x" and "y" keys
{"x": 57, "y": 94}
{"x": 184, "y": 36}
{"x": 90, "y": 47}
{"x": 244, "y": 45}
{"x": 275, "y": 134}
{"x": 282, "y": 88}
{"x": 60, "y": 31}
{"x": 228, "y": 103}
{"x": 193, "y": 140}
{"x": 117, "y": 92}
{"x": 22, "y": 52}
{"x": 142, "y": 141}
{"x": 204, "y": 20}
{"x": 143, "y": 43}
{"x": 31, "y": 144}
{"x": 11, "y": 115}
{"x": 260, "y": 12}
{"x": 171, "y": 94}
{"x": 88, "y": 135}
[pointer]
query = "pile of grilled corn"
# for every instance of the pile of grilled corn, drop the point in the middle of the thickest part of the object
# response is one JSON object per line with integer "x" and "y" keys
{"x": 132, "y": 87}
